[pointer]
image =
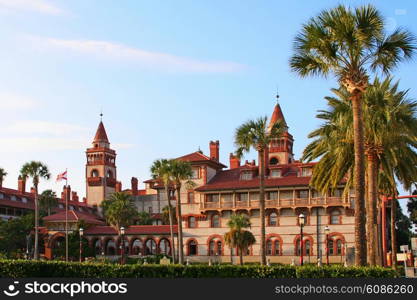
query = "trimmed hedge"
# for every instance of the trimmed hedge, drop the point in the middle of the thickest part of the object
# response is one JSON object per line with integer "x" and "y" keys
{"x": 24, "y": 268}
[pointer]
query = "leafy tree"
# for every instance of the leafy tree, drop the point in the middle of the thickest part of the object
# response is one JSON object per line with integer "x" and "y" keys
{"x": 237, "y": 236}
{"x": 119, "y": 210}
{"x": 388, "y": 151}
{"x": 161, "y": 170}
{"x": 256, "y": 135}
{"x": 3, "y": 174}
{"x": 37, "y": 171}
{"x": 48, "y": 201}
{"x": 351, "y": 44}
{"x": 73, "y": 248}
{"x": 144, "y": 218}
{"x": 16, "y": 234}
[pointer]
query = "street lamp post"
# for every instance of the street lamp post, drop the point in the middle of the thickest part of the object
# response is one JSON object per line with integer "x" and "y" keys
{"x": 301, "y": 221}
{"x": 326, "y": 232}
{"x": 81, "y": 244}
{"x": 122, "y": 239}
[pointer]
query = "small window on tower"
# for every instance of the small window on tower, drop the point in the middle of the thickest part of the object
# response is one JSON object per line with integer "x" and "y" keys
{"x": 95, "y": 145}
{"x": 273, "y": 161}
{"x": 109, "y": 174}
{"x": 94, "y": 173}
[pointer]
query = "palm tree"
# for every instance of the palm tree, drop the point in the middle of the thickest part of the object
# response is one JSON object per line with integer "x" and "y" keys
{"x": 37, "y": 171}
{"x": 119, "y": 210}
{"x": 3, "y": 174}
{"x": 180, "y": 171}
{"x": 390, "y": 140}
{"x": 351, "y": 43}
{"x": 237, "y": 236}
{"x": 256, "y": 135}
{"x": 48, "y": 201}
{"x": 161, "y": 170}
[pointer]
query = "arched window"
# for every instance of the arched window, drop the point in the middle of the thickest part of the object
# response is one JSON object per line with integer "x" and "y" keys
{"x": 307, "y": 247}
{"x": 335, "y": 217}
{"x": 277, "y": 247}
{"x": 212, "y": 248}
{"x": 192, "y": 248}
{"x": 97, "y": 247}
{"x": 330, "y": 244}
{"x": 94, "y": 173}
{"x": 215, "y": 247}
{"x": 111, "y": 247}
{"x": 273, "y": 219}
{"x": 339, "y": 247}
{"x": 191, "y": 222}
{"x": 273, "y": 161}
{"x": 150, "y": 247}
{"x": 137, "y": 247}
{"x": 164, "y": 247}
{"x": 215, "y": 221}
{"x": 109, "y": 174}
{"x": 269, "y": 247}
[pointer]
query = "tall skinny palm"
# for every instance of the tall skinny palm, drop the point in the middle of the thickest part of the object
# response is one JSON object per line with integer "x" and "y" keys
{"x": 161, "y": 170}
{"x": 3, "y": 174}
{"x": 181, "y": 171}
{"x": 37, "y": 171}
{"x": 254, "y": 134}
{"x": 237, "y": 236}
{"x": 351, "y": 43}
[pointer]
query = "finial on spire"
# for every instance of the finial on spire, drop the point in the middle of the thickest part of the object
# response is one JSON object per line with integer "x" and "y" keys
{"x": 101, "y": 115}
{"x": 277, "y": 95}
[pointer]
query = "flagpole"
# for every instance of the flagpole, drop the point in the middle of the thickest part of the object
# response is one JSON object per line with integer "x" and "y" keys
{"x": 66, "y": 216}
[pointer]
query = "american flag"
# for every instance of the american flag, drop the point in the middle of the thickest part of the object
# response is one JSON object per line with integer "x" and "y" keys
{"x": 62, "y": 176}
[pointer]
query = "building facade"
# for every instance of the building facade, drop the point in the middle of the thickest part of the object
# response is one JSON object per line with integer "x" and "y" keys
{"x": 219, "y": 191}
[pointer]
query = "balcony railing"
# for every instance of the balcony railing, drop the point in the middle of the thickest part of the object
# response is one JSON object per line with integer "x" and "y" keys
{"x": 296, "y": 202}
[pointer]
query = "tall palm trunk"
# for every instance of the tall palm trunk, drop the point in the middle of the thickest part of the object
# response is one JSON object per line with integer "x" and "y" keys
{"x": 36, "y": 248}
{"x": 240, "y": 256}
{"x": 261, "y": 159}
{"x": 171, "y": 224}
{"x": 393, "y": 232}
{"x": 359, "y": 179}
{"x": 371, "y": 212}
{"x": 179, "y": 218}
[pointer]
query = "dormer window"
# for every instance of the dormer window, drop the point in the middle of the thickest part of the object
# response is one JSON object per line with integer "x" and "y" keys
{"x": 246, "y": 175}
{"x": 276, "y": 173}
{"x": 1, "y": 196}
{"x": 24, "y": 200}
{"x": 305, "y": 172}
{"x": 13, "y": 198}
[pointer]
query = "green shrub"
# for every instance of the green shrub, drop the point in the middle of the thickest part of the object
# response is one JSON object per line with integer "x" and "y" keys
{"x": 23, "y": 268}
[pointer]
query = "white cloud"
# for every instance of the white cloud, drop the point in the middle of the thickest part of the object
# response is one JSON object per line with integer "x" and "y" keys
{"x": 10, "y": 101}
{"x": 40, "y": 6}
{"x": 116, "y": 51}
{"x": 43, "y": 127}
{"x": 34, "y": 144}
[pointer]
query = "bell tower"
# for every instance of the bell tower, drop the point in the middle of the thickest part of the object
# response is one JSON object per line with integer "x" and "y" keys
{"x": 280, "y": 150}
{"x": 100, "y": 170}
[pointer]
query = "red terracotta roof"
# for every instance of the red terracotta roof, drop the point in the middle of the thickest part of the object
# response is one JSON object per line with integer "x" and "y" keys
{"x": 134, "y": 229}
{"x": 230, "y": 179}
{"x": 101, "y": 135}
{"x": 73, "y": 216}
{"x": 277, "y": 115}
{"x": 199, "y": 157}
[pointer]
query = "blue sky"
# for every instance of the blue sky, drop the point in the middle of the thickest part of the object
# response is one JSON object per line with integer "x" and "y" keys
{"x": 169, "y": 76}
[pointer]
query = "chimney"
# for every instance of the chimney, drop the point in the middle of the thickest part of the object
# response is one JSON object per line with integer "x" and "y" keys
{"x": 253, "y": 163}
{"x": 234, "y": 161}
{"x": 21, "y": 184}
{"x": 85, "y": 200}
{"x": 66, "y": 193}
{"x": 32, "y": 190}
{"x": 134, "y": 182}
{"x": 214, "y": 150}
{"x": 118, "y": 186}
{"x": 74, "y": 196}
